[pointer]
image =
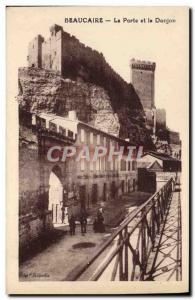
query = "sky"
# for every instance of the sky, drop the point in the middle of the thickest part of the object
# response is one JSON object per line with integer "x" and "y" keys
{"x": 165, "y": 44}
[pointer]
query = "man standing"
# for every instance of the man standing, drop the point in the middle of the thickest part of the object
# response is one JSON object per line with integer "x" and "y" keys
{"x": 83, "y": 221}
{"x": 72, "y": 225}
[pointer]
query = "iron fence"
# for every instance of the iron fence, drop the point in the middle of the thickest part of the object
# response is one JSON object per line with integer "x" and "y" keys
{"x": 125, "y": 254}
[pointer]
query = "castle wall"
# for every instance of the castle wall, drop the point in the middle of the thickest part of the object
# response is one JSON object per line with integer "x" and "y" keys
{"x": 174, "y": 137}
{"x": 67, "y": 56}
{"x": 35, "y": 52}
{"x": 29, "y": 177}
{"x": 52, "y": 52}
{"x": 34, "y": 219}
{"x": 46, "y": 56}
{"x": 143, "y": 82}
{"x": 161, "y": 117}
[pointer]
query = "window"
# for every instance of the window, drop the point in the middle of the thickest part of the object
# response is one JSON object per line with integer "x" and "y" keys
{"x": 116, "y": 164}
{"x": 82, "y": 135}
{"x": 104, "y": 141}
{"x": 52, "y": 127}
{"x": 98, "y": 139}
{"x": 91, "y": 165}
{"x": 102, "y": 163}
{"x": 111, "y": 165}
{"x": 99, "y": 159}
{"x": 123, "y": 165}
{"x": 94, "y": 193}
{"x": 134, "y": 165}
{"x": 105, "y": 164}
{"x": 62, "y": 130}
{"x": 82, "y": 164}
{"x": 91, "y": 138}
{"x": 97, "y": 164}
{"x": 70, "y": 134}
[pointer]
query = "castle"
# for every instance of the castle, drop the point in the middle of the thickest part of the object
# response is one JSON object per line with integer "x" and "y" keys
{"x": 54, "y": 54}
{"x": 142, "y": 76}
{"x": 48, "y": 54}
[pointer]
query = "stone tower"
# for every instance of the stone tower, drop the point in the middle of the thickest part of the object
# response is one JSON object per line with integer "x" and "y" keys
{"x": 47, "y": 54}
{"x": 142, "y": 78}
{"x": 35, "y": 52}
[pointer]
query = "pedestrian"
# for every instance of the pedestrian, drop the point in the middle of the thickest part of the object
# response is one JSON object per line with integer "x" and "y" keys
{"x": 72, "y": 224}
{"x": 100, "y": 227}
{"x": 83, "y": 221}
{"x": 95, "y": 225}
{"x": 63, "y": 214}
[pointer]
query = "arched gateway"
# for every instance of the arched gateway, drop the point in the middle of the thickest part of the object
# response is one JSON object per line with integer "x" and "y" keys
{"x": 56, "y": 195}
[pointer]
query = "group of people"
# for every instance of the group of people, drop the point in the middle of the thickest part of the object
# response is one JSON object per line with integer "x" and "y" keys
{"x": 83, "y": 222}
{"x": 98, "y": 224}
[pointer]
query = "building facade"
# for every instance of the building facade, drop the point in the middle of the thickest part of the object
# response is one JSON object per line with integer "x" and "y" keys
{"x": 87, "y": 182}
{"x": 51, "y": 186}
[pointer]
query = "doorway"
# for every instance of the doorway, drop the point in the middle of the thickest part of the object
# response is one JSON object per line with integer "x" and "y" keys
{"x": 56, "y": 196}
{"x": 82, "y": 196}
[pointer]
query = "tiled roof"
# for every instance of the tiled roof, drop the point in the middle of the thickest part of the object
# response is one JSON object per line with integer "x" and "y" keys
{"x": 161, "y": 156}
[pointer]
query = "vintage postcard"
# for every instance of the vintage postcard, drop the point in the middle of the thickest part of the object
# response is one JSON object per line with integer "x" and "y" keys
{"x": 97, "y": 150}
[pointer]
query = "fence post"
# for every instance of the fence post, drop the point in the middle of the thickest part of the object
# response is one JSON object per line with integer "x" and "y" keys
{"x": 143, "y": 244}
{"x": 126, "y": 254}
{"x": 153, "y": 229}
{"x": 121, "y": 258}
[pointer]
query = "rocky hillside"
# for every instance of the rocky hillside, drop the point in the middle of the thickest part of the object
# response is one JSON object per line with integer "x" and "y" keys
{"x": 44, "y": 90}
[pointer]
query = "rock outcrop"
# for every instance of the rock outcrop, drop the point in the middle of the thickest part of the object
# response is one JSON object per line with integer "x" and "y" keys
{"x": 43, "y": 90}
{"x": 46, "y": 91}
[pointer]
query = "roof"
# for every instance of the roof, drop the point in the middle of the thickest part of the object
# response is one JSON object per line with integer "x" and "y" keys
{"x": 71, "y": 124}
{"x": 66, "y": 123}
{"x": 162, "y": 156}
{"x": 155, "y": 166}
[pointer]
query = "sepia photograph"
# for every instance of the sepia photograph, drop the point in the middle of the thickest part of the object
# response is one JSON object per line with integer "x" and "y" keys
{"x": 98, "y": 120}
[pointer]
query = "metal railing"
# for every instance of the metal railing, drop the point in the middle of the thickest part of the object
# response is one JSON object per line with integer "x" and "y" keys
{"x": 124, "y": 255}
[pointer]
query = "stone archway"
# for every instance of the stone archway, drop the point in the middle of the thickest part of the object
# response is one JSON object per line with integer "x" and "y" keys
{"x": 56, "y": 195}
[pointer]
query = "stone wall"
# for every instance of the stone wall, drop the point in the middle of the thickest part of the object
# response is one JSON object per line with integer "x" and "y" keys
{"x": 52, "y": 51}
{"x": 29, "y": 176}
{"x": 161, "y": 117}
{"x": 35, "y": 52}
{"x": 35, "y": 220}
{"x": 32, "y": 228}
{"x": 174, "y": 137}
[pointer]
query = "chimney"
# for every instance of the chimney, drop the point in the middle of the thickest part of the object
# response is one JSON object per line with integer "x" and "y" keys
{"x": 72, "y": 115}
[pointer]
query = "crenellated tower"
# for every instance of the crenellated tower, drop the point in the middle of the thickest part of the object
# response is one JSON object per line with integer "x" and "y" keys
{"x": 143, "y": 80}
